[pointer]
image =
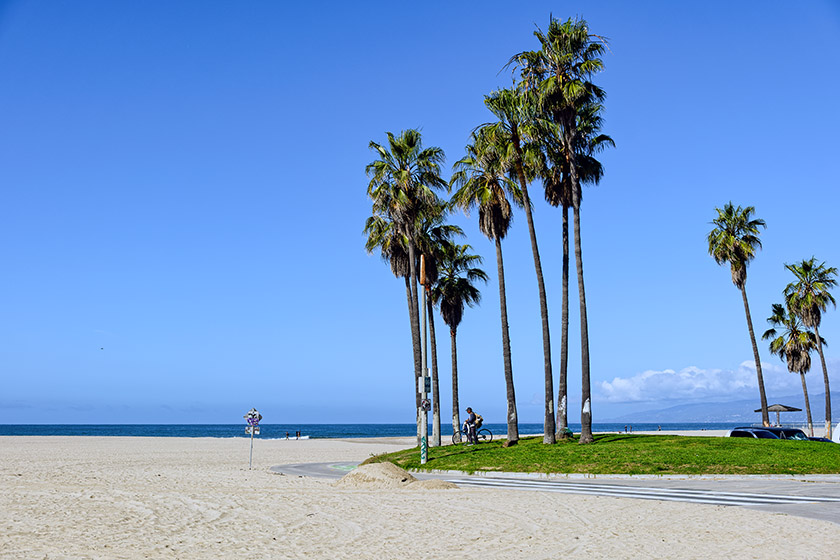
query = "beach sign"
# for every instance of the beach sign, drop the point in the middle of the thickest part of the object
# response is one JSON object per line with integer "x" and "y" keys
{"x": 253, "y": 417}
{"x": 253, "y": 428}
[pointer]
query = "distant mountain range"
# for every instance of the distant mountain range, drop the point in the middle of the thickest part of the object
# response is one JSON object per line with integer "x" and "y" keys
{"x": 738, "y": 412}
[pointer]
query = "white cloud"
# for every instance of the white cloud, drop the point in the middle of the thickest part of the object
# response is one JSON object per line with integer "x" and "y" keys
{"x": 695, "y": 384}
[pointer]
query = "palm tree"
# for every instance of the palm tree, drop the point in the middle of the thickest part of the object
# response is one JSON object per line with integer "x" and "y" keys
{"x": 433, "y": 236}
{"x": 430, "y": 309}
{"x": 513, "y": 131}
{"x": 383, "y": 236}
{"x": 453, "y": 291}
{"x": 808, "y": 297}
{"x": 734, "y": 240}
{"x": 794, "y": 346}
{"x": 560, "y": 73}
{"x": 559, "y": 191}
{"x": 482, "y": 182}
{"x": 402, "y": 184}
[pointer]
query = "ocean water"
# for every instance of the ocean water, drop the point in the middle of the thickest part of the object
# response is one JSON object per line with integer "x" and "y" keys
{"x": 314, "y": 431}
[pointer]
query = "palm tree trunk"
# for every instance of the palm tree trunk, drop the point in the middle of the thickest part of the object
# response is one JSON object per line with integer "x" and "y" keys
{"x": 807, "y": 405}
{"x": 415, "y": 333}
{"x": 456, "y": 413}
{"x": 825, "y": 380}
{"x": 586, "y": 392}
{"x": 415, "y": 343}
{"x": 765, "y": 416}
{"x": 435, "y": 386}
{"x": 586, "y": 389}
{"x": 548, "y": 425}
{"x": 562, "y": 390}
{"x": 408, "y": 301}
{"x": 512, "y": 417}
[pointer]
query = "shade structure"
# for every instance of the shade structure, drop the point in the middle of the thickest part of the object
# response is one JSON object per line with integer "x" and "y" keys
{"x": 777, "y": 408}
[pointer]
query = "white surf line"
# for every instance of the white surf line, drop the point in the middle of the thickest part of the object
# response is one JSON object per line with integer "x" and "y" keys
{"x": 685, "y": 491}
{"x": 664, "y": 494}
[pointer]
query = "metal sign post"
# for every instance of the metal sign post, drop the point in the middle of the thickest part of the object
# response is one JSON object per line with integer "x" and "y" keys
{"x": 253, "y": 417}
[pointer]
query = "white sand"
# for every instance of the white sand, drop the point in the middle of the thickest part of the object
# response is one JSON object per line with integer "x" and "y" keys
{"x": 112, "y": 498}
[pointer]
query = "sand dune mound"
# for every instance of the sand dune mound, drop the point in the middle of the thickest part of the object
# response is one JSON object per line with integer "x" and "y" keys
{"x": 388, "y": 475}
{"x": 376, "y": 475}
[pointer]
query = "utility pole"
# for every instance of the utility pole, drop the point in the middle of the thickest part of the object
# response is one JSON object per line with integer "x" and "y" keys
{"x": 425, "y": 404}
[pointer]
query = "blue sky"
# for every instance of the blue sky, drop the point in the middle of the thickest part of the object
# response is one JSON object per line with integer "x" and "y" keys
{"x": 183, "y": 196}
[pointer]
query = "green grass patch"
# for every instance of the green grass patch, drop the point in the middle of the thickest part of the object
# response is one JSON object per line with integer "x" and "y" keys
{"x": 631, "y": 454}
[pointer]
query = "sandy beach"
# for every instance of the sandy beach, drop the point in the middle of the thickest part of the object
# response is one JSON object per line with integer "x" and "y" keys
{"x": 184, "y": 498}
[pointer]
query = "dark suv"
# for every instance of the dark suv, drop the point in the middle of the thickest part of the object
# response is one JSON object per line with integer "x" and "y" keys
{"x": 752, "y": 433}
{"x": 779, "y": 433}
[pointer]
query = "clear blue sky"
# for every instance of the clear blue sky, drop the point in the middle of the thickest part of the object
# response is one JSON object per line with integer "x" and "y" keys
{"x": 183, "y": 194}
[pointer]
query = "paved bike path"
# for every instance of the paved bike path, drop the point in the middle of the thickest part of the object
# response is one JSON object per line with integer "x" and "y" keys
{"x": 816, "y": 497}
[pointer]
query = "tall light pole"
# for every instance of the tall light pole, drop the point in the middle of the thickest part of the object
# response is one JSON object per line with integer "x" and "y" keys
{"x": 424, "y": 375}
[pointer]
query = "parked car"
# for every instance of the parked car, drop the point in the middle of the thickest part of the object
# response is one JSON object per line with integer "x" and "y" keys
{"x": 820, "y": 439}
{"x": 752, "y": 433}
{"x": 780, "y": 433}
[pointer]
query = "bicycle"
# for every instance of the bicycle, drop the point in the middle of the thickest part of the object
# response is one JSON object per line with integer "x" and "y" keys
{"x": 483, "y": 436}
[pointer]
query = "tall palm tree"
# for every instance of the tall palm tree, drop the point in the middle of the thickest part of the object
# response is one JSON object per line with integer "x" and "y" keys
{"x": 433, "y": 237}
{"x": 560, "y": 72}
{"x": 793, "y": 345}
{"x": 430, "y": 310}
{"x": 809, "y": 297}
{"x": 514, "y": 131}
{"x": 382, "y": 235}
{"x": 734, "y": 240}
{"x": 454, "y": 290}
{"x": 482, "y": 183}
{"x": 560, "y": 191}
{"x": 403, "y": 180}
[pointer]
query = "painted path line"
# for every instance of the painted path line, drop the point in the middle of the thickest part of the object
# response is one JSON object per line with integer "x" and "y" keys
{"x": 643, "y": 493}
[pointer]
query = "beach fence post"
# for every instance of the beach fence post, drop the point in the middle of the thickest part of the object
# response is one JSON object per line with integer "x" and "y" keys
{"x": 253, "y": 418}
{"x": 423, "y": 383}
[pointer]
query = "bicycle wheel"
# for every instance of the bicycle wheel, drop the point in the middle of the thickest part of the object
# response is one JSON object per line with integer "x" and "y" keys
{"x": 457, "y": 438}
{"x": 484, "y": 435}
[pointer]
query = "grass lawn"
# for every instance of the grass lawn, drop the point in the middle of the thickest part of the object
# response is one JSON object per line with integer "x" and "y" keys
{"x": 632, "y": 454}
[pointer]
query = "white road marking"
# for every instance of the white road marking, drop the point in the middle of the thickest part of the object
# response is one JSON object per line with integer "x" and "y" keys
{"x": 643, "y": 493}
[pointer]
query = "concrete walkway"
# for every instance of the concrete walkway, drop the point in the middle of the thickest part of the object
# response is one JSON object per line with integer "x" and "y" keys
{"x": 811, "y": 496}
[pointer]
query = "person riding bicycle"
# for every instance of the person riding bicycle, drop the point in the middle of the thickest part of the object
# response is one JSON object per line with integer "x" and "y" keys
{"x": 472, "y": 424}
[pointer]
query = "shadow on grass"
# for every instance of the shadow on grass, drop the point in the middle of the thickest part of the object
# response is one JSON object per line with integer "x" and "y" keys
{"x": 612, "y": 438}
